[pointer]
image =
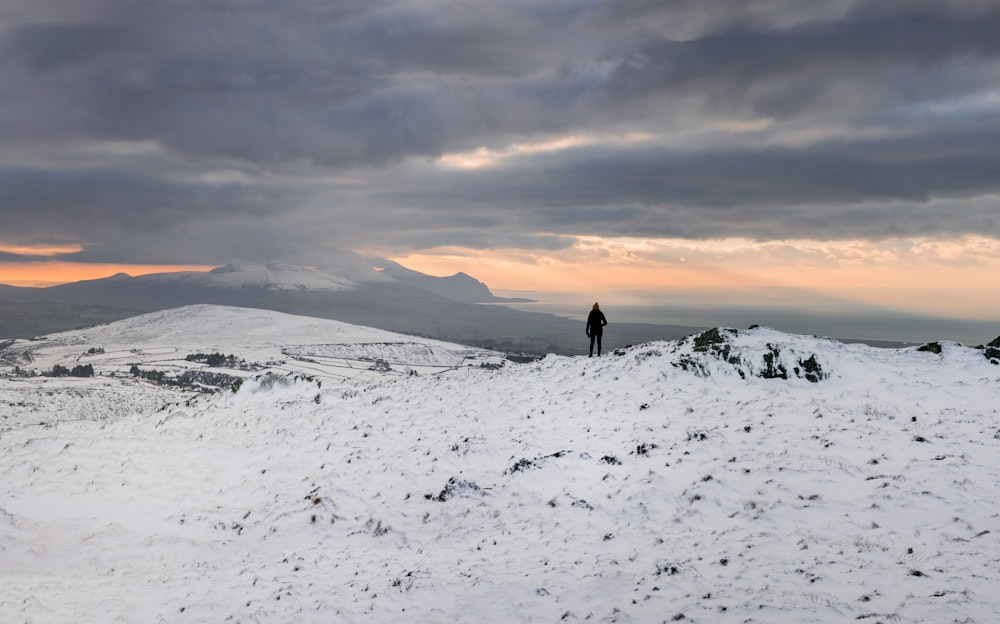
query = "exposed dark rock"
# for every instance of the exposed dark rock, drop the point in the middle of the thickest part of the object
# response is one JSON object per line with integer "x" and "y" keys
{"x": 773, "y": 368}
{"x": 524, "y": 464}
{"x": 716, "y": 343}
{"x": 811, "y": 368}
{"x": 669, "y": 569}
{"x": 455, "y": 487}
{"x": 992, "y": 351}
{"x": 688, "y": 364}
{"x": 711, "y": 339}
{"x": 931, "y": 347}
{"x": 644, "y": 448}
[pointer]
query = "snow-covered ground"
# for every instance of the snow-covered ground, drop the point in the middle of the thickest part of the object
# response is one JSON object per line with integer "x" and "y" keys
{"x": 706, "y": 480}
{"x": 261, "y": 341}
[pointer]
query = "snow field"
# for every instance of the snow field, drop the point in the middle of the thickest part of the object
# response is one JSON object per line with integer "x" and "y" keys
{"x": 623, "y": 489}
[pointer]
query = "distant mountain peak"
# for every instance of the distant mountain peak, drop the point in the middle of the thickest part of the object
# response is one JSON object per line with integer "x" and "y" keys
{"x": 458, "y": 287}
{"x": 271, "y": 276}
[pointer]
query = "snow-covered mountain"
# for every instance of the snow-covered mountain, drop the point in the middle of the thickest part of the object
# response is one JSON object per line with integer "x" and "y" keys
{"x": 457, "y": 287}
{"x": 732, "y": 476}
{"x": 348, "y": 272}
{"x": 354, "y": 289}
{"x": 264, "y": 276}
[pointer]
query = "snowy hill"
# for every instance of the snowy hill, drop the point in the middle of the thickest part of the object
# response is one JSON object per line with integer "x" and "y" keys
{"x": 747, "y": 476}
{"x": 177, "y": 342}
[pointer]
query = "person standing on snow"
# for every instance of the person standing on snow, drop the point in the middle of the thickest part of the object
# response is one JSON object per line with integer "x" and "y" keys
{"x": 595, "y": 328}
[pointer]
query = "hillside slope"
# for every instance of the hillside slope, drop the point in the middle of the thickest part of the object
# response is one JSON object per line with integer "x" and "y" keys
{"x": 177, "y": 345}
{"x": 747, "y": 476}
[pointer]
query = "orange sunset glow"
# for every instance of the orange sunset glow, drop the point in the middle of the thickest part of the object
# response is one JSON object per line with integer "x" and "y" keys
{"x": 950, "y": 277}
{"x": 957, "y": 278}
{"x": 52, "y": 273}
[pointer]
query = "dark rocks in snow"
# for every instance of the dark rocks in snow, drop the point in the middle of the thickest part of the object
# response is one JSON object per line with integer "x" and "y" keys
{"x": 407, "y": 580}
{"x": 992, "y": 351}
{"x": 688, "y": 364}
{"x": 668, "y": 569}
{"x": 717, "y": 344}
{"x": 525, "y": 464}
{"x": 645, "y": 448}
{"x": 813, "y": 371}
{"x": 456, "y": 487}
{"x": 712, "y": 339}
{"x": 931, "y": 347}
{"x": 773, "y": 368}
{"x": 646, "y": 354}
{"x": 612, "y": 460}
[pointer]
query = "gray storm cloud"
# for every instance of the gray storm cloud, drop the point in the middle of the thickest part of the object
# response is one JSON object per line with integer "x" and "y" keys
{"x": 236, "y": 131}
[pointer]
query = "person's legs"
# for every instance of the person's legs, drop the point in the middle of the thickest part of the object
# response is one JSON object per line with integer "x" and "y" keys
{"x": 593, "y": 337}
{"x": 599, "y": 336}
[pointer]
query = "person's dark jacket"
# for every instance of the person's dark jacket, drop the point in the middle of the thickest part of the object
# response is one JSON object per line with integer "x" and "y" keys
{"x": 596, "y": 322}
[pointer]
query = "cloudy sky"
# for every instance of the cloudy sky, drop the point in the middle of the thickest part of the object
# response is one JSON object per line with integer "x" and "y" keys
{"x": 635, "y": 149}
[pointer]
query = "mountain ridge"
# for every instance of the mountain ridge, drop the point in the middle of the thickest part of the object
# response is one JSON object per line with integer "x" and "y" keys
{"x": 394, "y": 299}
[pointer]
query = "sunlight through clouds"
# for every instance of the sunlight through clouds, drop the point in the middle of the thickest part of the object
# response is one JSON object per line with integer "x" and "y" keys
{"x": 484, "y": 157}
{"x": 916, "y": 271}
{"x": 39, "y": 250}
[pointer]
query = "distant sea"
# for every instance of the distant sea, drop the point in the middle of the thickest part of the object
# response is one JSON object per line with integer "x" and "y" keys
{"x": 846, "y": 323}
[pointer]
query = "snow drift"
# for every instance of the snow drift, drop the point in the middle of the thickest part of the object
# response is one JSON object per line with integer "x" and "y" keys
{"x": 748, "y": 476}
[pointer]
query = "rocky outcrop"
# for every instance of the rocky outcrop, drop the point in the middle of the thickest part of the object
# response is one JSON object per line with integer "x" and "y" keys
{"x": 931, "y": 347}
{"x": 772, "y": 363}
{"x": 992, "y": 351}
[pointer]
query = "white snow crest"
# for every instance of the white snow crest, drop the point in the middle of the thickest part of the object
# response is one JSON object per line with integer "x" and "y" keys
{"x": 273, "y": 276}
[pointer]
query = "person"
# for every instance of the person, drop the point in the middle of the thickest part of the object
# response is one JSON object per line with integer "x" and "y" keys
{"x": 595, "y": 328}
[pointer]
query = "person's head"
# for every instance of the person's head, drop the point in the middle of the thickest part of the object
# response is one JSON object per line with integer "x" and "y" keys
{"x": 596, "y": 307}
